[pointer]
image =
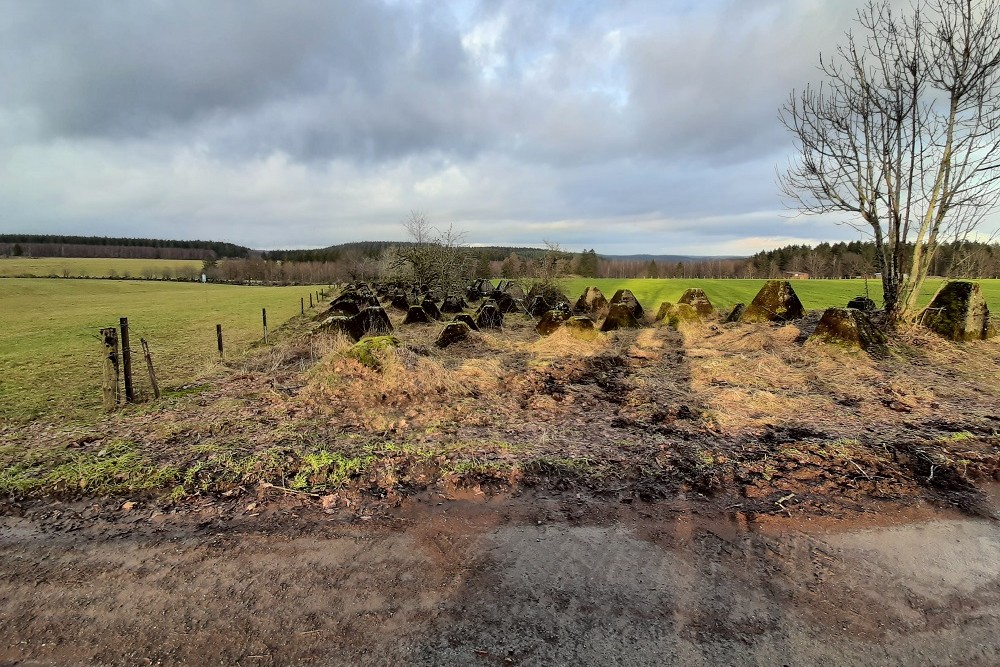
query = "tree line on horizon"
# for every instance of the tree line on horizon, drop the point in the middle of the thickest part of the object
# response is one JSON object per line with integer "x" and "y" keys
{"x": 826, "y": 260}
{"x": 372, "y": 260}
{"x": 55, "y": 245}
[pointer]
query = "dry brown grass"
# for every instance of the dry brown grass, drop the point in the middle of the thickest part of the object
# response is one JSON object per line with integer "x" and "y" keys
{"x": 564, "y": 345}
{"x": 406, "y": 391}
{"x": 753, "y": 376}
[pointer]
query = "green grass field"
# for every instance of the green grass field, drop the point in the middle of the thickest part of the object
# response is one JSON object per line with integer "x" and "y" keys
{"x": 724, "y": 294}
{"x": 50, "y": 355}
{"x": 87, "y": 267}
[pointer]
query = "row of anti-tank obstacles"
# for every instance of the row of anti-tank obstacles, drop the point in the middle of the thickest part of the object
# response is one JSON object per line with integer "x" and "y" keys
{"x": 958, "y": 311}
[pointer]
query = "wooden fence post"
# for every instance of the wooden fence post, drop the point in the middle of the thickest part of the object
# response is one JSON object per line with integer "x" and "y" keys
{"x": 127, "y": 361}
{"x": 263, "y": 314}
{"x": 310, "y": 300}
{"x": 302, "y": 306}
{"x": 149, "y": 367}
{"x": 109, "y": 337}
{"x": 218, "y": 338}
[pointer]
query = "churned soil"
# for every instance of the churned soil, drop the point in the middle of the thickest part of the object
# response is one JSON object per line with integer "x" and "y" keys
{"x": 701, "y": 495}
{"x": 511, "y": 579}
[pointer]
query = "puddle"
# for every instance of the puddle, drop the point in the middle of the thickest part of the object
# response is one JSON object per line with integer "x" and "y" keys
{"x": 935, "y": 558}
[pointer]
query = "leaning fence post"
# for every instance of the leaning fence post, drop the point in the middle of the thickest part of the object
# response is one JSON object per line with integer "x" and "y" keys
{"x": 109, "y": 337}
{"x": 127, "y": 360}
{"x": 149, "y": 367}
{"x": 263, "y": 314}
{"x": 310, "y": 300}
{"x": 218, "y": 338}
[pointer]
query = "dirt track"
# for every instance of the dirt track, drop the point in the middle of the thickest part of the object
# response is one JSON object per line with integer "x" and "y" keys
{"x": 511, "y": 580}
{"x": 718, "y": 496}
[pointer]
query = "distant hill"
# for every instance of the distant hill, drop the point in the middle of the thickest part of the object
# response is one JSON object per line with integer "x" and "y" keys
{"x": 375, "y": 248}
{"x": 492, "y": 253}
{"x": 55, "y": 245}
{"x": 669, "y": 259}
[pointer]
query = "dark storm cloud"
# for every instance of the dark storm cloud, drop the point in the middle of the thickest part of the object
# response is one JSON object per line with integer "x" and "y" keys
{"x": 108, "y": 69}
{"x": 632, "y": 125}
{"x": 363, "y": 80}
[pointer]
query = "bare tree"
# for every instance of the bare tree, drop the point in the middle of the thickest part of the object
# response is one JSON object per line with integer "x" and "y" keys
{"x": 436, "y": 258}
{"x": 903, "y": 134}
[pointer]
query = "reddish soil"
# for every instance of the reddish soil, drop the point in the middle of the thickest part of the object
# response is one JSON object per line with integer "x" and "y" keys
{"x": 521, "y": 580}
{"x": 721, "y": 495}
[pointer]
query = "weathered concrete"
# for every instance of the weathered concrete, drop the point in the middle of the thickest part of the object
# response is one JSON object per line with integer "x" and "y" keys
{"x": 959, "y": 312}
{"x": 775, "y": 302}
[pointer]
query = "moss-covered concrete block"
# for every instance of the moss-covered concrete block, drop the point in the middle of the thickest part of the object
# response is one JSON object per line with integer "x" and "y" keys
{"x": 958, "y": 311}
{"x": 736, "y": 312}
{"x": 848, "y": 327}
{"x": 465, "y": 317}
{"x": 675, "y": 313}
{"x": 371, "y": 351}
{"x": 621, "y": 316}
{"x": 581, "y": 327}
{"x": 697, "y": 299}
{"x": 591, "y": 301}
{"x": 775, "y": 302}
{"x": 551, "y": 321}
{"x": 416, "y": 315}
{"x": 626, "y": 298}
{"x": 453, "y": 332}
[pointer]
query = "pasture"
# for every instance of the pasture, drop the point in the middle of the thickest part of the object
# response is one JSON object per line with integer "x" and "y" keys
{"x": 97, "y": 267}
{"x": 724, "y": 294}
{"x": 50, "y": 356}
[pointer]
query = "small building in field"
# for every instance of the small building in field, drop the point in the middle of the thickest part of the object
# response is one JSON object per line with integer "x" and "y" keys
{"x": 795, "y": 275}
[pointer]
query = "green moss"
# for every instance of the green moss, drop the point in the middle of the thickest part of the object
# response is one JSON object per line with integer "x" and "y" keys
{"x": 959, "y": 312}
{"x": 371, "y": 351}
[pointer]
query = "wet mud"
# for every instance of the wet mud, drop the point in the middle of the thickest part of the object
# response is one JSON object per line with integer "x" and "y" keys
{"x": 523, "y": 579}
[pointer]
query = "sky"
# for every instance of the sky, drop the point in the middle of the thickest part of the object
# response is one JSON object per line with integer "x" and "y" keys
{"x": 628, "y": 127}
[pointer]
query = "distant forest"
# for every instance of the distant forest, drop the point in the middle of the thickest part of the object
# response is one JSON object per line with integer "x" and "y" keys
{"x": 375, "y": 261}
{"x": 371, "y": 260}
{"x": 50, "y": 245}
{"x": 374, "y": 249}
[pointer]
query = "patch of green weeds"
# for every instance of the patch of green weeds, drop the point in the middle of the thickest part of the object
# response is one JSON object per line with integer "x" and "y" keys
{"x": 557, "y": 466}
{"x": 706, "y": 458}
{"x": 477, "y": 468}
{"x": 842, "y": 448}
{"x": 323, "y": 469}
{"x": 958, "y": 437}
{"x": 792, "y": 453}
{"x": 184, "y": 390}
{"x": 116, "y": 469}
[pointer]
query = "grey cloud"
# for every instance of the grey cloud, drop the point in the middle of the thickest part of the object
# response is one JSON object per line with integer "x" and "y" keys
{"x": 107, "y": 69}
{"x": 637, "y": 125}
{"x": 710, "y": 87}
{"x": 374, "y": 81}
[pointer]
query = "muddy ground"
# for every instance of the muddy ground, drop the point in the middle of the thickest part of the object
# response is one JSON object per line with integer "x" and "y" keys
{"x": 524, "y": 579}
{"x": 721, "y": 494}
